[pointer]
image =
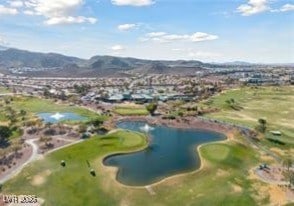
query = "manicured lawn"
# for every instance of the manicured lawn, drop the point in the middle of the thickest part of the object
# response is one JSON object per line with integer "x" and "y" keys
{"x": 73, "y": 185}
{"x": 37, "y": 105}
{"x": 131, "y": 110}
{"x": 223, "y": 181}
{"x": 275, "y": 104}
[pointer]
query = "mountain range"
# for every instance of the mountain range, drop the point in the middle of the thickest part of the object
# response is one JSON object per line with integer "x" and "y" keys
{"x": 26, "y": 63}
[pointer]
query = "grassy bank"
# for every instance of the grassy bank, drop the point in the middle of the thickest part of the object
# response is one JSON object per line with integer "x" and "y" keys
{"x": 275, "y": 104}
{"x": 131, "y": 110}
{"x": 224, "y": 176}
{"x": 37, "y": 105}
{"x": 33, "y": 105}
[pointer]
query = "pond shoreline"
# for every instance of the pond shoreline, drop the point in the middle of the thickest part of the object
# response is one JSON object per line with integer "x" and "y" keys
{"x": 183, "y": 123}
{"x": 198, "y": 124}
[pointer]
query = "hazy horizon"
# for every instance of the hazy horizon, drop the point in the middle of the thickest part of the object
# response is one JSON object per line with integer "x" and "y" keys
{"x": 255, "y": 31}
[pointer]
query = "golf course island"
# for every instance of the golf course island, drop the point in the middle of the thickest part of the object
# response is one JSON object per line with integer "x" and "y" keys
{"x": 63, "y": 152}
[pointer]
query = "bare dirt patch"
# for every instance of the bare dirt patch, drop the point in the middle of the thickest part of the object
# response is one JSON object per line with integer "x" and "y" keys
{"x": 277, "y": 195}
{"x": 26, "y": 152}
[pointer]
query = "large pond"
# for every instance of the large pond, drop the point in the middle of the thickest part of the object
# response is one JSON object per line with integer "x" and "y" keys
{"x": 59, "y": 117}
{"x": 171, "y": 151}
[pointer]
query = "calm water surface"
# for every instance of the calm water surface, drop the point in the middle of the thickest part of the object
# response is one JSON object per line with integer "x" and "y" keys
{"x": 171, "y": 151}
{"x": 58, "y": 117}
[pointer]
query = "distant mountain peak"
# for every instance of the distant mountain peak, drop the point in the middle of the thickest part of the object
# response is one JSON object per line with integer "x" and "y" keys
{"x": 2, "y": 48}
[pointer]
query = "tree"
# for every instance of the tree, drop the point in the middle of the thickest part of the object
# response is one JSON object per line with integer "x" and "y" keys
{"x": 262, "y": 121}
{"x": 11, "y": 115}
{"x": 23, "y": 112}
{"x": 62, "y": 96}
{"x": 262, "y": 125}
{"x": 16, "y": 148}
{"x": 46, "y": 140}
{"x": 5, "y": 133}
{"x": 151, "y": 108}
{"x": 97, "y": 122}
{"x": 82, "y": 128}
{"x": 82, "y": 89}
{"x": 46, "y": 93}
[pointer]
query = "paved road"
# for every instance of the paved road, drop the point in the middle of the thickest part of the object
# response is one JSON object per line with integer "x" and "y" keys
{"x": 64, "y": 146}
{"x": 33, "y": 157}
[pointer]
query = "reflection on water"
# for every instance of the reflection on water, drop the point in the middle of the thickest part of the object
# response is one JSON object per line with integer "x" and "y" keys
{"x": 171, "y": 151}
{"x": 58, "y": 117}
{"x": 146, "y": 128}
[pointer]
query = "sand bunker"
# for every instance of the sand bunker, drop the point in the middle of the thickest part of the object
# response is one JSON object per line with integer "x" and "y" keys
{"x": 236, "y": 188}
{"x": 222, "y": 173}
{"x": 40, "y": 178}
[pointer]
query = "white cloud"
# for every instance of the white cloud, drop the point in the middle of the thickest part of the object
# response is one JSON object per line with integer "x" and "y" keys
{"x": 16, "y": 3}
{"x": 3, "y": 41}
{"x": 200, "y": 36}
{"x": 177, "y": 50}
{"x": 253, "y": 7}
{"x": 163, "y": 37}
{"x": 70, "y": 20}
{"x": 192, "y": 54}
{"x": 53, "y": 8}
{"x": 7, "y": 11}
{"x": 155, "y": 34}
{"x": 132, "y": 2}
{"x": 126, "y": 27}
{"x": 117, "y": 48}
{"x": 57, "y": 11}
{"x": 203, "y": 55}
{"x": 259, "y": 6}
{"x": 29, "y": 12}
{"x": 287, "y": 7}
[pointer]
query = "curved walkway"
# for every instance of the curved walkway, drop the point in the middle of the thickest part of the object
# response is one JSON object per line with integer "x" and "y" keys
{"x": 33, "y": 157}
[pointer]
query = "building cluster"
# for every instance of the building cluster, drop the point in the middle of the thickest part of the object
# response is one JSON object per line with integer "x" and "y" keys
{"x": 26, "y": 70}
{"x": 145, "y": 88}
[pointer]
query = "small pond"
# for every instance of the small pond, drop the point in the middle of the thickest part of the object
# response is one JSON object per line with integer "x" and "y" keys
{"x": 59, "y": 117}
{"x": 171, "y": 151}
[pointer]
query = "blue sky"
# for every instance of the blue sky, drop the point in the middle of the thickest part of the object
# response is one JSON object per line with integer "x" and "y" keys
{"x": 207, "y": 30}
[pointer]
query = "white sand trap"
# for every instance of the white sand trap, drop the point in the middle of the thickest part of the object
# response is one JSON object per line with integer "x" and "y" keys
{"x": 150, "y": 190}
{"x": 236, "y": 188}
{"x": 40, "y": 178}
{"x": 222, "y": 173}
